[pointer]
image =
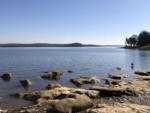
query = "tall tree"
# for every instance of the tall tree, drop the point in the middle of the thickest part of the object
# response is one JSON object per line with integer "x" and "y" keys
{"x": 144, "y": 38}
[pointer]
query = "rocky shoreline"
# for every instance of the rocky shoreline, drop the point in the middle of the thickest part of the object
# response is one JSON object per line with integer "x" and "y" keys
{"x": 114, "y": 96}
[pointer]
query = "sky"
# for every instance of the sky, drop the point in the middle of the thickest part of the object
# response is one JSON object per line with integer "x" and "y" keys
{"x": 66, "y": 21}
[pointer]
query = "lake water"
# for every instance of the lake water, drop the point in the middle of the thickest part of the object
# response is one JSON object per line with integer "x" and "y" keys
{"x": 31, "y": 63}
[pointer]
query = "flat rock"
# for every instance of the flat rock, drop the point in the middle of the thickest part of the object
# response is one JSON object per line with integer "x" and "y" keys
{"x": 84, "y": 80}
{"x": 142, "y": 73}
{"x": 116, "y": 82}
{"x": 140, "y": 85}
{"x": 118, "y": 76}
{"x": 120, "y": 108}
{"x": 109, "y": 91}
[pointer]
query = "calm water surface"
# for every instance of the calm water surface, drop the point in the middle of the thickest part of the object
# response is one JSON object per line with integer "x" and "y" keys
{"x": 30, "y": 63}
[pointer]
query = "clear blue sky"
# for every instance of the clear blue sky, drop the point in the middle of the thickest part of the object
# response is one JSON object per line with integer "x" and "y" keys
{"x": 65, "y": 21}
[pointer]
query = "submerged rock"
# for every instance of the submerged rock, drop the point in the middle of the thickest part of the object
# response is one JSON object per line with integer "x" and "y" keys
{"x": 26, "y": 83}
{"x": 118, "y": 76}
{"x": 85, "y": 80}
{"x": 118, "y": 68}
{"x": 53, "y": 86}
{"x": 6, "y": 76}
{"x": 70, "y": 71}
{"x": 53, "y": 75}
{"x": 119, "y": 108}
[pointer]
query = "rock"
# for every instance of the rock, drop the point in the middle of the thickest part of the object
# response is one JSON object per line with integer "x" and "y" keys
{"x": 26, "y": 83}
{"x": 132, "y": 65}
{"x": 120, "y": 83}
{"x": 3, "y": 111}
{"x": 61, "y": 99}
{"x": 57, "y": 73}
{"x": 6, "y": 76}
{"x": 53, "y": 86}
{"x": 114, "y": 91}
{"x": 144, "y": 78}
{"x": 45, "y": 72}
{"x": 70, "y": 71}
{"x": 118, "y": 76}
{"x": 47, "y": 76}
{"x": 118, "y": 68}
{"x": 142, "y": 73}
{"x": 148, "y": 72}
{"x": 140, "y": 85}
{"x": 108, "y": 82}
{"x": 55, "y": 93}
{"x": 53, "y": 75}
{"x": 70, "y": 105}
{"x": 120, "y": 108}
{"x": 84, "y": 80}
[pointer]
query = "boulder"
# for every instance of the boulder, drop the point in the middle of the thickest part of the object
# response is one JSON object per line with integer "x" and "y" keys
{"x": 119, "y": 108}
{"x": 6, "y": 76}
{"x": 26, "y": 83}
{"x": 73, "y": 104}
{"x": 118, "y": 76}
{"x": 84, "y": 80}
{"x": 53, "y": 75}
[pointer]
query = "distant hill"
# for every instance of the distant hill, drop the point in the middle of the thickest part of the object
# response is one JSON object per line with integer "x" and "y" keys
{"x": 47, "y": 45}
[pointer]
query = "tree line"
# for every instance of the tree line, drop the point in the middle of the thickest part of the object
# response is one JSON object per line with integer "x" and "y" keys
{"x": 143, "y": 39}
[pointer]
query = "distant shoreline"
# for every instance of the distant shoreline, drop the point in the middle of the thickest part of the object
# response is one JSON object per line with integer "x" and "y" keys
{"x": 138, "y": 48}
{"x": 54, "y": 45}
